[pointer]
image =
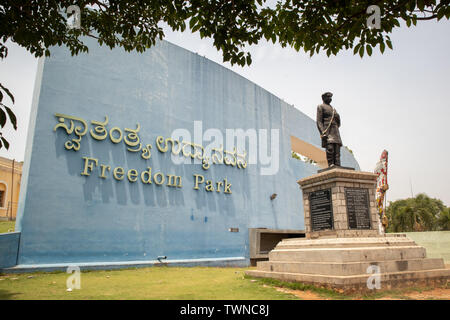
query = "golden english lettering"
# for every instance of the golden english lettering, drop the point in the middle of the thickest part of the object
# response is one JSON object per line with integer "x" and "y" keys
{"x": 119, "y": 173}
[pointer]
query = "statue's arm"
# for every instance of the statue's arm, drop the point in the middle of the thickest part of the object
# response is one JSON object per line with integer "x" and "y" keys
{"x": 338, "y": 119}
{"x": 319, "y": 119}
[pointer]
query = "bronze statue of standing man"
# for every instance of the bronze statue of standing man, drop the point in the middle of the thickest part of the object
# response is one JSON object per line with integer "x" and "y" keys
{"x": 328, "y": 123}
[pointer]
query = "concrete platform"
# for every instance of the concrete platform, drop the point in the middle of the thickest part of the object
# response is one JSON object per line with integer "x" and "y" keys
{"x": 388, "y": 240}
{"x": 343, "y": 263}
{"x": 348, "y": 254}
{"x": 84, "y": 266}
{"x": 349, "y": 268}
{"x": 359, "y": 282}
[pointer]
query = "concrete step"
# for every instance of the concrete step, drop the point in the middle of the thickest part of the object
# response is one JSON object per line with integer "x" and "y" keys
{"x": 359, "y": 282}
{"x": 300, "y": 243}
{"x": 350, "y": 268}
{"x": 359, "y": 254}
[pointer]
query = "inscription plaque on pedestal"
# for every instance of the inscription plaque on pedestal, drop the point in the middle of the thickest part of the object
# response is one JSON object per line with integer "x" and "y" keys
{"x": 321, "y": 210}
{"x": 358, "y": 214}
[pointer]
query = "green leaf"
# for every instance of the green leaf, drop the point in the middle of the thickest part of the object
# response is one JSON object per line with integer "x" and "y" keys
{"x": 361, "y": 51}
{"x": 274, "y": 37}
{"x": 249, "y": 59}
{"x": 12, "y": 117}
{"x": 382, "y": 47}
{"x": 2, "y": 118}
{"x": 369, "y": 50}
{"x": 196, "y": 27}
{"x": 192, "y": 22}
{"x": 7, "y": 92}
{"x": 421, "y": 5}
{"x": 6, "y": 143}
{"x": 389, "y": 44}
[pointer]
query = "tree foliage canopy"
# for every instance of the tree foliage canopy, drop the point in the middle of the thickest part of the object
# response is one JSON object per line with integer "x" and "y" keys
{"x": 314, "y": 25}
{"x": 233, "y": 25}
{"x": 420, "y": 213}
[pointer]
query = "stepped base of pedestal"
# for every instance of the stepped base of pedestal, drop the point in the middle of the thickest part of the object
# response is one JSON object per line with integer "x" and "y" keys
{"x": 349, "y": 263}
{"x": 388, "y": 281}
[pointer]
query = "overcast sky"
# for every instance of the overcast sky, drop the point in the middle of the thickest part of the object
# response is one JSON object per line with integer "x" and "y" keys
{"x": 396, "y": 101}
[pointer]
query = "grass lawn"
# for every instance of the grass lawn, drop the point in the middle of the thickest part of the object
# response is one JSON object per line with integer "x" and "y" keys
{"x": 142, "y": 283}
{"x": 7, "y": 225}
{"x": 177, "y": 283}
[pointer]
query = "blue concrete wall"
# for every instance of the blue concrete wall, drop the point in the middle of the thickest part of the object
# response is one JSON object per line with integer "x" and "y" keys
{"x": 66, "y": 217}
{"x": 9, "y": 246}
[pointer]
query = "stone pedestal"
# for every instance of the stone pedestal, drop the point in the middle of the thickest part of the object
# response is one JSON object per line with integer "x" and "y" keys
{"x": 349, "y": 263}
{"x": 340, "y": 203}
{"x": 343, "y": 248}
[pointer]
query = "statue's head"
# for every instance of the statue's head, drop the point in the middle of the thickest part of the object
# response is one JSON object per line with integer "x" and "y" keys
{"x": 326, "y": 97}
